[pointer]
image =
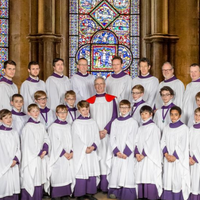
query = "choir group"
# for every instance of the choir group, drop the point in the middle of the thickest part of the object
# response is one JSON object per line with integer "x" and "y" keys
{"x": 132, "y": 139}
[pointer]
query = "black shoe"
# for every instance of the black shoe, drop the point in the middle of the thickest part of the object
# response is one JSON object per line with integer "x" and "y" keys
{"x": 65, "y": 198}
{"x": 80, "y": 198}
{"x": 91, "y": 197}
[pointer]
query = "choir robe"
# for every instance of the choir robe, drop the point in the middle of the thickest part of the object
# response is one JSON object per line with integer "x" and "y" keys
{"x": 119, "y": 85}
{"x": 9, "y": 151}
{"x": 34, "y": 170}
{"x": 56, "y": 87}
{"x": 72, "y": 114}
{"x": 162, "y": 116}
{"x": 7, "y": 89}
{"x": 61, "y": 169}
{"x": 194, "y": 135}
{"x": 177, "y": 86}
{"x": 47, "y": 117}
{"x": 122, "y": 171}
{"x": 103, "y": 110}
{"x": 83, "y": 86}
{"x": 28, "y": 88}
{"x": 191, "y": 121}
{"x": 149, "y": 170}
{"x": 176, "y": 175}
{"x": 19, "y": 120}
{"x": 150, "y": 84}
{"x": 85, "y": 133}
{"x": 189, "y": 102}
{"x": 135, "y": 111}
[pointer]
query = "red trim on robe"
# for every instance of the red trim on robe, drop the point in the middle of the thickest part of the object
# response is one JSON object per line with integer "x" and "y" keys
{"x": 91, "y": 99}
{"x": 109, "y": 97}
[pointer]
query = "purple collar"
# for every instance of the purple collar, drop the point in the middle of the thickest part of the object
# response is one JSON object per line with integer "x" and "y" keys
{"x": 81, "y": 117}
{"x": 149, "y": 122}
{"x": 71, "y": 109}
{"x": 196, "y": 126}
{"x": 170, "y": 79}
{"x": 138, "y": 103}
{"x": 33, "y": 121}
{"x": 148, "y": 76}
{"x": 123, "y": 118}
{"x": 4, "y": 79}
{"x": 100, "y": 95}
{"x": 176, "y": 124}
{"x": 169, "y": 106}
{"x": 32, "y": 80}
{"x": 80, "y": 74}
{"x": 121, "y": 74}
{"x": 198, "y": 80}
{"x": 18, "y": 113}
{"x": 4, "y": 128}
{"x": 56, "y": 75}
{"x": 57, "y": 121}
{"x": 45, "y": 110}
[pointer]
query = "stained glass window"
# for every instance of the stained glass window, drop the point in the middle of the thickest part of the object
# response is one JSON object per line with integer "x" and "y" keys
{"x": 4, "y": 15}
{"x": 101, "y": 29}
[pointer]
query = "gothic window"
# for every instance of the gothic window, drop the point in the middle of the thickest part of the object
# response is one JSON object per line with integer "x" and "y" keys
{"x": 4, "y": 25}
{"x": 100, "y": 29}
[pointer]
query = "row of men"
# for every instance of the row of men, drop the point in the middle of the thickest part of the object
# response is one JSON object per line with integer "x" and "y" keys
{"x": 118, "y": 84}
{"x": 103, "y": 110}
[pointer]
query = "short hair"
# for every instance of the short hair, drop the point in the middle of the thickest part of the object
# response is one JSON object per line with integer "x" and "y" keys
{"x": 167, "y": 88}
{"x": 138, "y": 87}
{"x": 197, "y": 95}
{"x": 147, "y": 109}
{"x": 177, "y": 109}
{"x": 4, "y": 112}
{"x": 39, "y": 94}
{"x": 10, "y": 62}
{"x": 61, "y": 107}
{"x": 144, "y": 60}
{"x": 195, "y": 65}
{"x": 83, "y": 104}
{"x": 83, "y": 59}
{"x": 197, "y": 110}
{"x": 70, "y": 92}
{"x": 32, "y": 106}
{"x": 55, "y": 60}
{"x": 15, "y": 96}
{"x": 125, "y": 102}
{"x": 99, "y": 77}
{"x": 117, "y": 58}
{"x": 169, "y": 64}
{"x": 32, "y": 63}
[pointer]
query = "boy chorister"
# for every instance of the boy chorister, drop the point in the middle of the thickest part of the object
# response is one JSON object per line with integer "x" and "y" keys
{"x": 86, "y": 140}
{"x": 9, "y": 158}
{"x": 19, "y": 118}
{"x": 174, "y": 144}
{"x": 47, "y": 116}
{"x": 162, "y": 115}
{"x": 148, "y": 154}
{"x": 122, "y": 183}
{"x": 34, "y": 147}
{"x": 70, "y": 99}
{"x": 61, "y": 154}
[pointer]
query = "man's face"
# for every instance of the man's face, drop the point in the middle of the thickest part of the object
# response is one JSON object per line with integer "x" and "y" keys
{"x": 144, "y": 68}
{"x": 9, "y": 71}
{"x": 34, "y": 70}
{"x": 100, "y": 86}
{"x": 117, "y": 66}
{"x": 194, "y": 72}
{"x": 59, "y": 67}
{"x": 167, "y": 71}
{"x": 82, "y": 66}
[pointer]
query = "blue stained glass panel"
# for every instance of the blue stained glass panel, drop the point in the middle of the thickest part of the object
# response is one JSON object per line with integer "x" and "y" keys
{"x": 4, "y": 3}
{"x": 4, "y": 26}
{"x": 103, "y": 74}
{"x": 135, "y": 47}
{"x": 3, "y": 40}
{"x": 83, "y": 52}
{"x": 134, "y": 68}
{"x": 73, "y": 25}
{"x": 3, "y": 58}
{"x": 104, "y": 37}
{"x": 3, "y": 13}
{"x": 126, "y": 56}
{"x": 72, "y": 64}
{"x": 135, "y": 25}
{"x": 73, "y": 46}
{"x": 73, "y": 6}
{"x": 135, "y": 7}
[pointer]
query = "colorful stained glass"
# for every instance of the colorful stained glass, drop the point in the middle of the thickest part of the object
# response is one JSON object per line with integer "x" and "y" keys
{"x": 3, "y": 26}
{"x": 3, "y": 40}
{"x": 102, "y": 73}
{"x": 105, "y": 28}
{"x": 104, "y": 14}
{"x": 4, "y": 4}
{"x": 104, "y": 37}
{"x": 3, "y": 58}
{"x": 73, "y": 68}
{"x": 3, "y": 13}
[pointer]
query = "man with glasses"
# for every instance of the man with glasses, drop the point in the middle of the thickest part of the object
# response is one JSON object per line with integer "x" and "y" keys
{"x": 31, "y": 84}
{"x": 82, "y": 82}
{"x": 175, "y": 84}
{"x": 103, "y": 110}
{"x": 119, "y": 83}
